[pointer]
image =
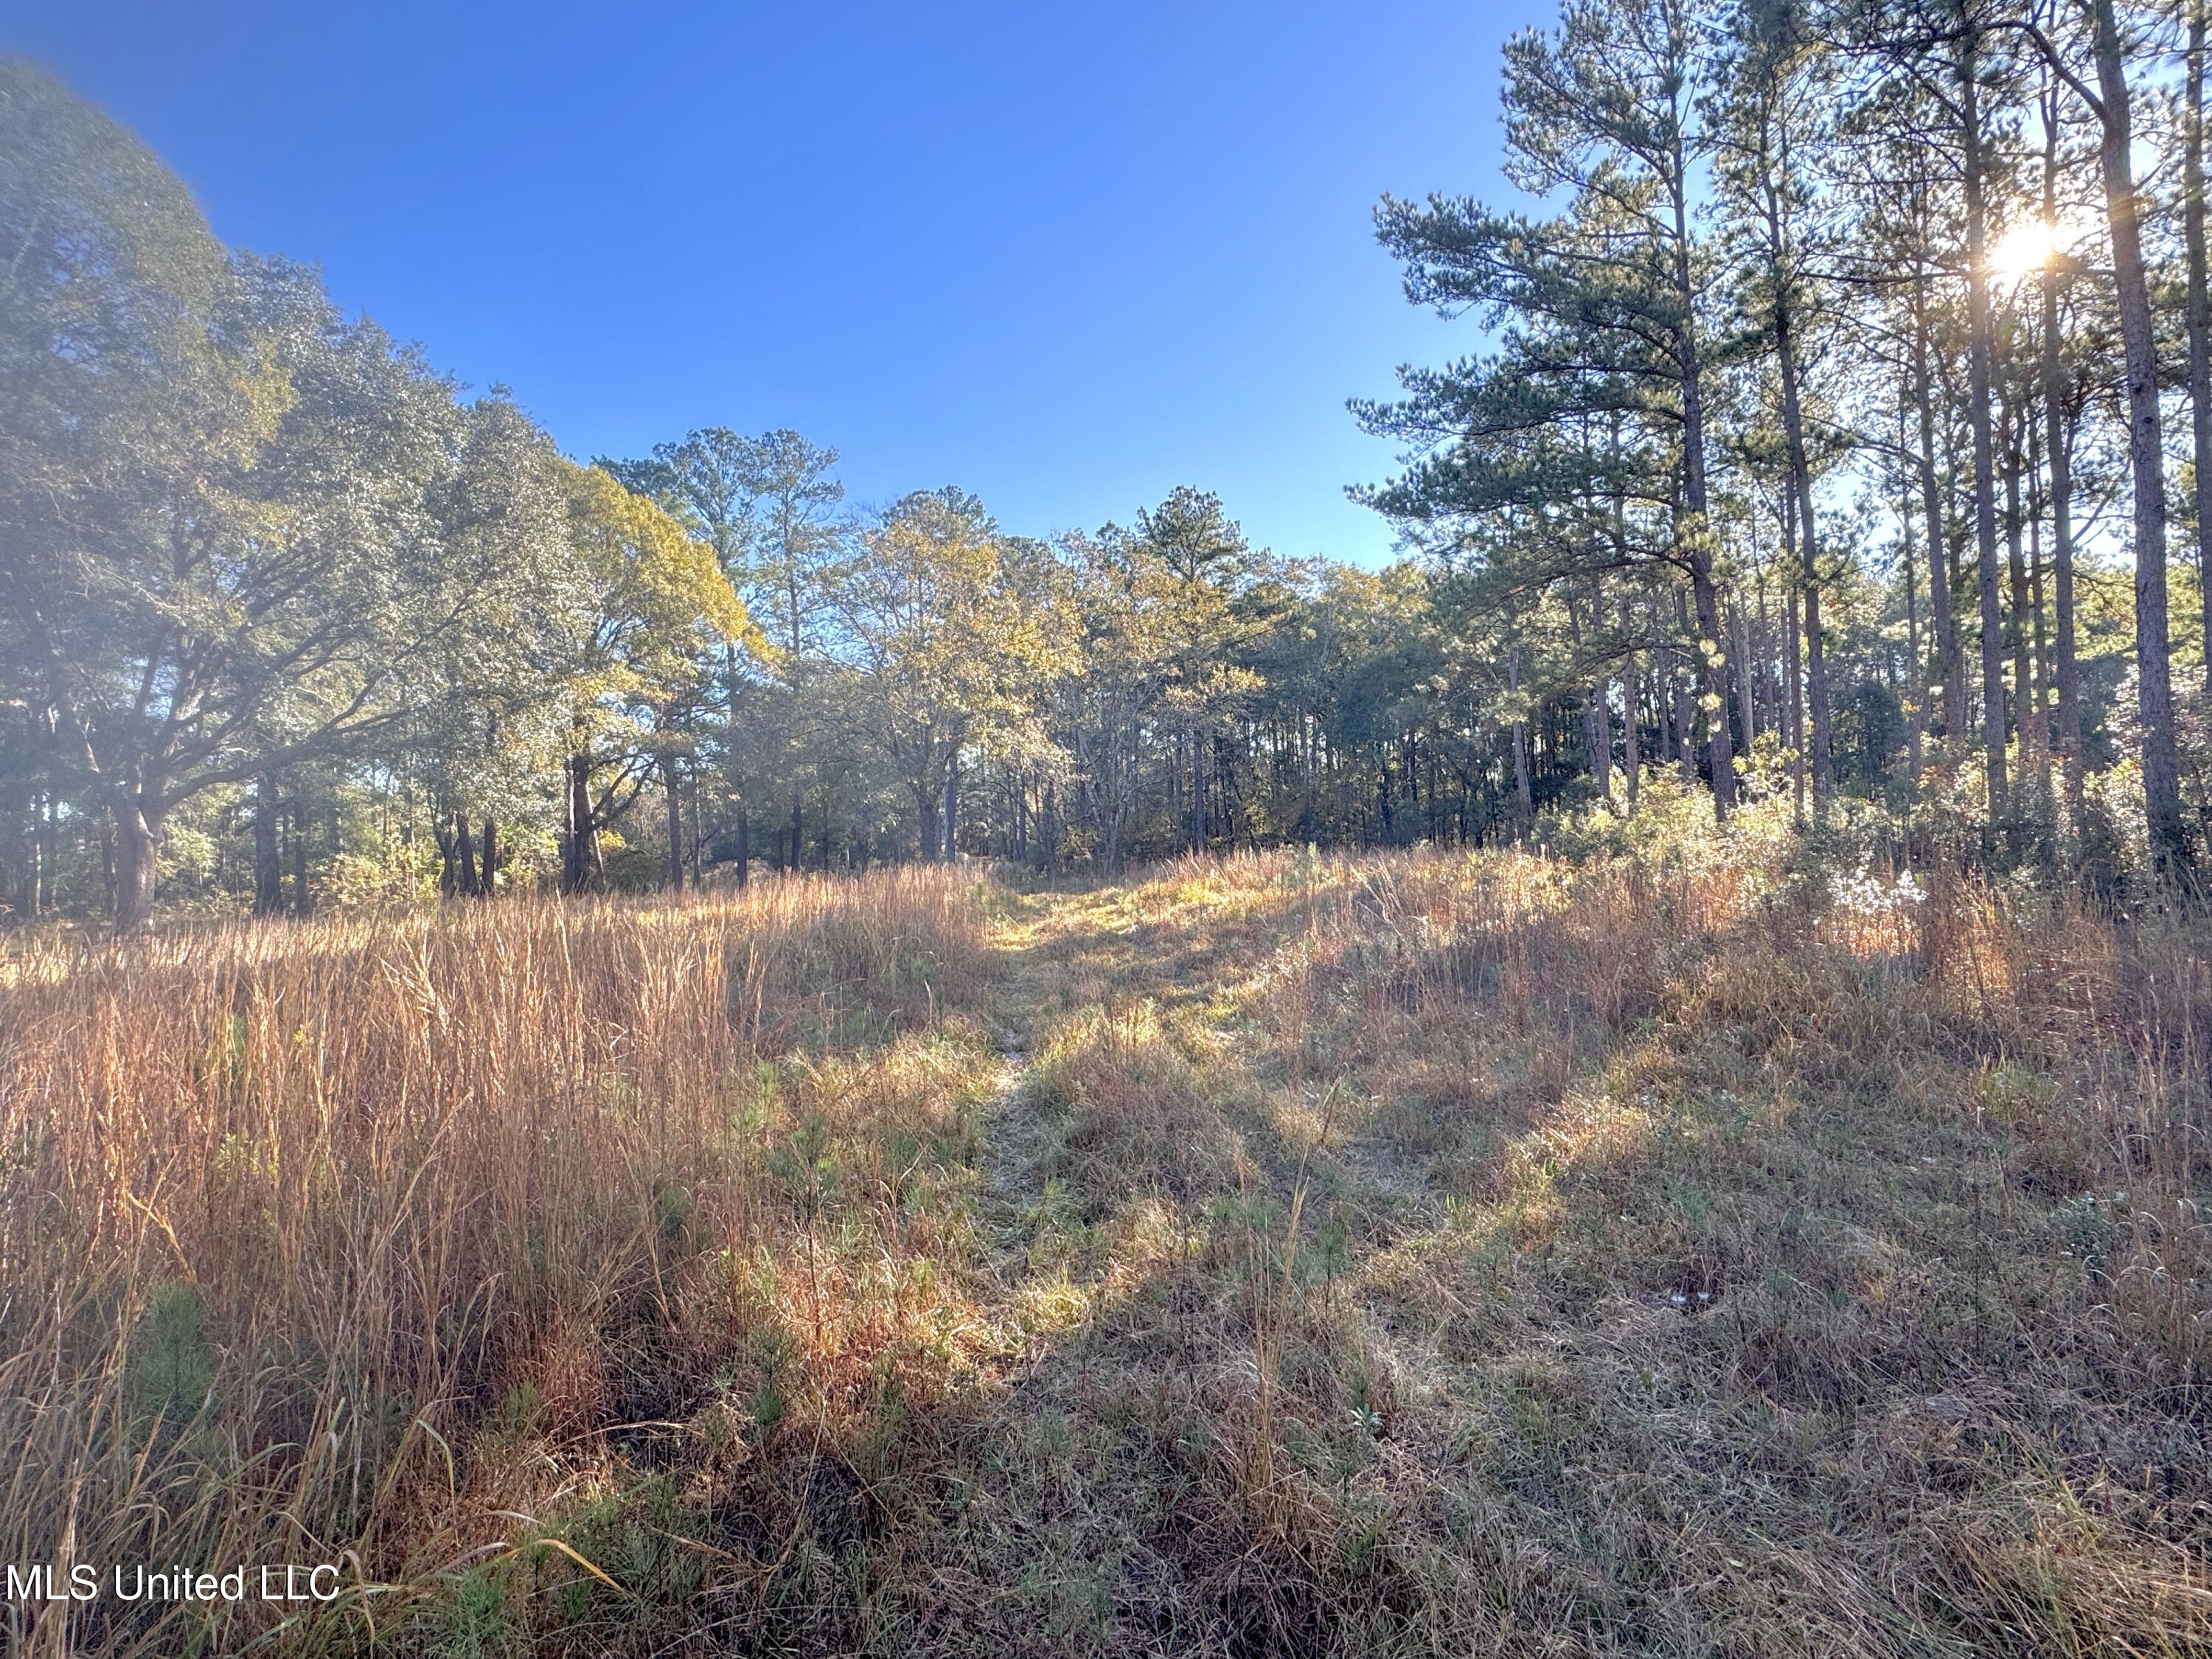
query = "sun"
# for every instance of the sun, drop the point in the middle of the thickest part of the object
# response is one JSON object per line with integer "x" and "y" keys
{"x": 2027, "y": 246}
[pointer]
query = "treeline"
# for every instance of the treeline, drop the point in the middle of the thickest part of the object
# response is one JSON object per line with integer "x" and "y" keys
{"x": 288, "y": 620}
{"x": 1845, "y": 378}
{"x": 1839, "y": 390}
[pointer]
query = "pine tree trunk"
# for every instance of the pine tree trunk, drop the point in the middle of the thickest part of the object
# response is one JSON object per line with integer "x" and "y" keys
{"x": 1686, "y": 699}
{"x": 1524, "y": 797}
{"x": 2039, "y": 655}
{"x": 1198, "y": 747}
{"x": 1697, "y": 531}
{"x": 2023, "y": 678}
{"x": 1950, "y": 662}
{"x": 1794, "y": 672}
{"x": 1631, "y": 759}
{"x": 2199, "y": 312}
{"x": 2169, "y": 844}
{"x": 1800, "y": 488}
{"x": 1740, "y": 634}
{"x": 1978, "y": 378}
{"x": 1631, "y": 695}
{"x": 1597, "y": 737}
{"x": 1917, "y": 680}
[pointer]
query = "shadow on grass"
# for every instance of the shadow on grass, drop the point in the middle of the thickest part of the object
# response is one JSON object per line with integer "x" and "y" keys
{"x": 1394, "y": 1256}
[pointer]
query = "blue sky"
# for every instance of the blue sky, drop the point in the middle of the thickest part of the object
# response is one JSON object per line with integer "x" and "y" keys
{"x": 1064, "y": 256}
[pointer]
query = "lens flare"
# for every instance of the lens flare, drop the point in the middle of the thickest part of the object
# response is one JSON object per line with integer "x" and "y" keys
{"x": 2028, "y": 247}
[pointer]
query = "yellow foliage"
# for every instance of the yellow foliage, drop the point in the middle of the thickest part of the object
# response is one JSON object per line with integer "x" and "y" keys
{"x": 661, "y": 599}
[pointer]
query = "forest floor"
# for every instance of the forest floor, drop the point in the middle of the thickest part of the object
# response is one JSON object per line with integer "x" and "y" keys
{"x": 1402, "y": 1254}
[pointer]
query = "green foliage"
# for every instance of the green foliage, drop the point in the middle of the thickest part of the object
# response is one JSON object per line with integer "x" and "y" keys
{"x": 404, "y": 645}
{"x": 172, "y": 1368}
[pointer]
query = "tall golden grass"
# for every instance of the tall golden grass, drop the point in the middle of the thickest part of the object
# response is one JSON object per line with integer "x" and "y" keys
{"x": 291, "y": 1215}
{"x": 1403, "y": 1253}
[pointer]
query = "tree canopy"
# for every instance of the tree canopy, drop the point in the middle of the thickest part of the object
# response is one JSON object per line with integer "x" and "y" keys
{"x": 1838, "y": 375}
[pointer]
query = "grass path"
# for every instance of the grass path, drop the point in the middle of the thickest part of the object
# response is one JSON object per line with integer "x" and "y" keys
{"x": 1408, "y": 1263}
{"x": 1199, "y": 956}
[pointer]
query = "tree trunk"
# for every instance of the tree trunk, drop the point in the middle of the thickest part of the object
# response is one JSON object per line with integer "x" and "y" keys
{"x": 1632, "y": 690}
{"x": 745, "y": 843}
{"x": 2199, "y": 312}
{"x": 268, "y": 866}
{"x": 694, "y": 843}
{"x": 2169, "y": 844}
{"x": 1721, "y": 753}
{"x": 1523, "y": 797}
{"x": 1198, "y": 748}
{"x": 488, "y": 875}
{"x": 1600, "y": 715}
{"x": 1766, "y": 656}
{"x": 26, "y": 893}
{"x": 1950, "y": 662}
{"x": 1175, "y": 788}
{"x": 2016, "y": 636}
{"x": 1739, "y": 633}
{"x": 303, "y": 902}
{"x": 1793, "y": 672}
{"x": 2040, "y": 655}
{"x": 674, "y": 785}
{"x": 1601, "y": 738}
{"x": 465, "y": 858}
{"x": 1685, "y": 693}
{"x": 137, "y": 841}
{"x": 1597, "y": 734}
{"x": 1631, "y": 757}
{"x": 1978, "y": 377}
{"x": 1800, "y": 488}
{"x": 582, "y": 833}
{"x": 42, "y": 854}
{"x": 1697, "y": 532}
{"x": 951, "y": 808}
{"x": 1308, "y": 774}
{"x": 1917, "y": 682}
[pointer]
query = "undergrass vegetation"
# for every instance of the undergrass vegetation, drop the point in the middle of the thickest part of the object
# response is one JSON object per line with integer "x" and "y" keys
{"x": 1670, "y": 1251}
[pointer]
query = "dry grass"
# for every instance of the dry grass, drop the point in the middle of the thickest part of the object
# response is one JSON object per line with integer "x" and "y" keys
{"x": 1407, "y": 1254}
{"x": 409, "y": 1241}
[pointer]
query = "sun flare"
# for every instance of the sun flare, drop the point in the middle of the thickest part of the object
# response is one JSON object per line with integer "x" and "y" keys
{"x": 2028, "y": 247}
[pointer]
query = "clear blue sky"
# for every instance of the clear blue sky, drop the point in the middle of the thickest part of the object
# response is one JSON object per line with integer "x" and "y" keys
{"x": 1065, "y": 255}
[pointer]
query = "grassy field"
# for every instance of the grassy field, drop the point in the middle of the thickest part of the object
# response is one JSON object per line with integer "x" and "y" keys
{"x": 1405, "y": 1255}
